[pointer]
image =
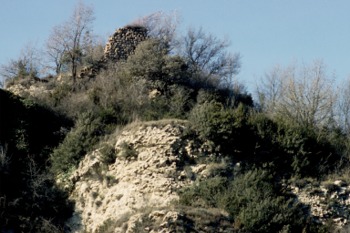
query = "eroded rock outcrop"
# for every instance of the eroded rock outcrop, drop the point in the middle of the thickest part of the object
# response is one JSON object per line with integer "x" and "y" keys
{"x": 328, "y": 201}
{"x": 30, "y": 88}
{"x": 139, "y": 188}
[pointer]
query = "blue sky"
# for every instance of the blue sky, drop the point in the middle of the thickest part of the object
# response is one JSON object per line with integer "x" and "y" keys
{"x": 264, "y": 32}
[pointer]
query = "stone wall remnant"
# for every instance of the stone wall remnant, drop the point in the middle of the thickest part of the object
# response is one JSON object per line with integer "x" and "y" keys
{"x": 123, "y": 42}
{"x": 119, "y": 46}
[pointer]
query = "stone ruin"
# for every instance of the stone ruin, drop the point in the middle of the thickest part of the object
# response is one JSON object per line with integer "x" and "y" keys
{"x": 119, "y": 46}
{"x": 123, "y": 42}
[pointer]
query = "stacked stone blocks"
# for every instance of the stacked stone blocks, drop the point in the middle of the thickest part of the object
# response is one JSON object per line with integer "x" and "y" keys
{"x": 119, "y": 46}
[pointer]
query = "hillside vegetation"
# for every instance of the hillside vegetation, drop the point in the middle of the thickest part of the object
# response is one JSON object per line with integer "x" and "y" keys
{"x": 295, "y": 136}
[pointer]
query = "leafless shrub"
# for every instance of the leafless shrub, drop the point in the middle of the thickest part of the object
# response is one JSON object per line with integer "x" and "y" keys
{"x": 207, "y": 54}
{"x": 162, "y": 26}
{"x": 305, "y": 95}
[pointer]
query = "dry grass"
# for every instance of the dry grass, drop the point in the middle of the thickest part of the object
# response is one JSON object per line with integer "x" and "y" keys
{"x": 343, "y": 174}
{"x": 159, "y": 123}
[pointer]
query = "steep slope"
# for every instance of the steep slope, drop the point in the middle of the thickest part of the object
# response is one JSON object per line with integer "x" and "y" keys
{"x": 29, "y": 198}
{"x": 140, "y": 188}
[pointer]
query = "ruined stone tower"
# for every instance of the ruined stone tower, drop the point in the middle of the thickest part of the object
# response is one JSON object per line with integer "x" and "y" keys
{"x": 123, "y": 42}
{"x": 119, "y": 46}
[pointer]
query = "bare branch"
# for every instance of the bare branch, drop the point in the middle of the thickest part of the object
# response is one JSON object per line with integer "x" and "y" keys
{"x": 207, "y": 54}
{"x": 66, "y": 44}
{"x": 304, "y": 95}
{"x": 29, "y": 63}
{"x": 161, "y": 26}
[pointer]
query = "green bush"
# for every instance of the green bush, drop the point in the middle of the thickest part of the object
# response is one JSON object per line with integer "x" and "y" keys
{"x": 180, "y": 101}
{"x": 255, "y": 203}
{"x": 253, "y": 200}
{"x": 207, "y": 118}
{"x": 309, "y": 154}
{"x": 292, "y": 149}
{"x": 127, "y": 151}
{"x": 156, "y": 109}
{"x": 147, "y": 61}
{"x": 80, "y": 140}
{"x": 108, "y": 154}
{"x": 227, "y": 128}
{"x": 204, "y": 194}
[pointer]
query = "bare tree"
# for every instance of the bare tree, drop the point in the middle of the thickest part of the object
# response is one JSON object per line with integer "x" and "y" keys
{"x": 343, "y": 106}
{"x": 304, "y": 95}
{"x": 269, "y": 89}
{"x": 29, "y": 64}
{"x": 207, "y": 54}
{"x": 66, "y": 42}
{"x": 56, "y": 49}
{"x": 93, "y": 48}
{"x": 162, "y": 26}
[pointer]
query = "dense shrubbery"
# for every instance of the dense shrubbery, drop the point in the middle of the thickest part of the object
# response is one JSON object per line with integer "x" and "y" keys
{"x": 256, "y": 204}
{"x": 294, "y": 149}
{"x": 226, "y": 127}
{"x": 243, "y": 134}
{"x": 207, "y": 193}
{"x": 80, "y": 140}
{"x": 253, "y": 199}
{"x": 108, "y": 154}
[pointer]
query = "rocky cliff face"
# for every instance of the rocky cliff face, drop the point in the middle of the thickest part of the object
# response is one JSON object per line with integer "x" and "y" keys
{"x": 138, "y": 191}
{"x": 328, "y": 201}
